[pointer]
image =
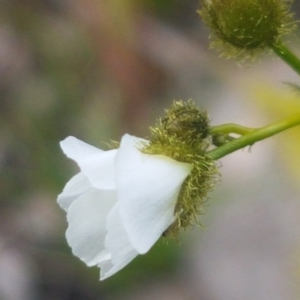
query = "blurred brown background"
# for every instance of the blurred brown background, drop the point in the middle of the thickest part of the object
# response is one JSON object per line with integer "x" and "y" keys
{"x": 96, "y": 69}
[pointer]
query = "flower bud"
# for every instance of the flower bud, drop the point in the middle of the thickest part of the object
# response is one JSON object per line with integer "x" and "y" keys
{"x": 241, "y": 28}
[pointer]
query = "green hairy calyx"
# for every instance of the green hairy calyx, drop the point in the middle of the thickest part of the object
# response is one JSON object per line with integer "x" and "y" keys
{"x": 183, "y": 134}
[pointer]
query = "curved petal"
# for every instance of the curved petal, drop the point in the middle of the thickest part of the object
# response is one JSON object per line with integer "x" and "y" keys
{"x": 75, "y": 187}
{"x": 117, "y": 244}
{"x": 96, "y": 164}
{"x": 148, "y": 187}
{"x": 87, "y": 225}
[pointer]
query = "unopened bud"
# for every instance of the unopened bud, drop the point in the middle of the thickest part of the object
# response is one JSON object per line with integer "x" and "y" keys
{"x": 242, "y": 28}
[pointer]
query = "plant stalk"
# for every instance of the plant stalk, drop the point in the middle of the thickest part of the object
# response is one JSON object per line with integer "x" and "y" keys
{"x": 287, "y": 56}
{"x": 254, "y": 136}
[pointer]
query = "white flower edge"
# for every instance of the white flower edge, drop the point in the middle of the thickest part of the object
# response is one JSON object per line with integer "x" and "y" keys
{"x": 148, "y": 188}
{"x": 113, "y": 219}
{"x": 97, "y": 165}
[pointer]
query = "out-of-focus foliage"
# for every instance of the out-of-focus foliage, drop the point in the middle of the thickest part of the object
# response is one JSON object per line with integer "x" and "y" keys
{"x": 280, "y": 103}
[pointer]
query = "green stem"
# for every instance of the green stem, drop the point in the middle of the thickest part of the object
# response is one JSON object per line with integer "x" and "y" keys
{"x": 287, "y": 56}
{"x": 230, "y": 128}
{"x": 254, "y": 136}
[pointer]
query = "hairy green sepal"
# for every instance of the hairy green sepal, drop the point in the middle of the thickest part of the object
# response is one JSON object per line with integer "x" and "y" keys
{"x": 183, "y": 135}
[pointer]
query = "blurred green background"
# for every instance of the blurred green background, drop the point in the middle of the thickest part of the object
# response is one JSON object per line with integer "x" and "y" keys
{"x": 97, "y": 69}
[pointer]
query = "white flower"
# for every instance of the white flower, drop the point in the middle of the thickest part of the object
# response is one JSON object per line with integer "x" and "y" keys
{"x": 120, "y": 203}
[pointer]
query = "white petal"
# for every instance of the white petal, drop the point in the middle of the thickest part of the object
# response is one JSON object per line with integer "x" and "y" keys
{"x": 117, "y": 244}
{"x": 87, "y": 225}
{"x": 96, "y": 164}
{"x": 148, "y": 187}
{"x": 75, "y": 187}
